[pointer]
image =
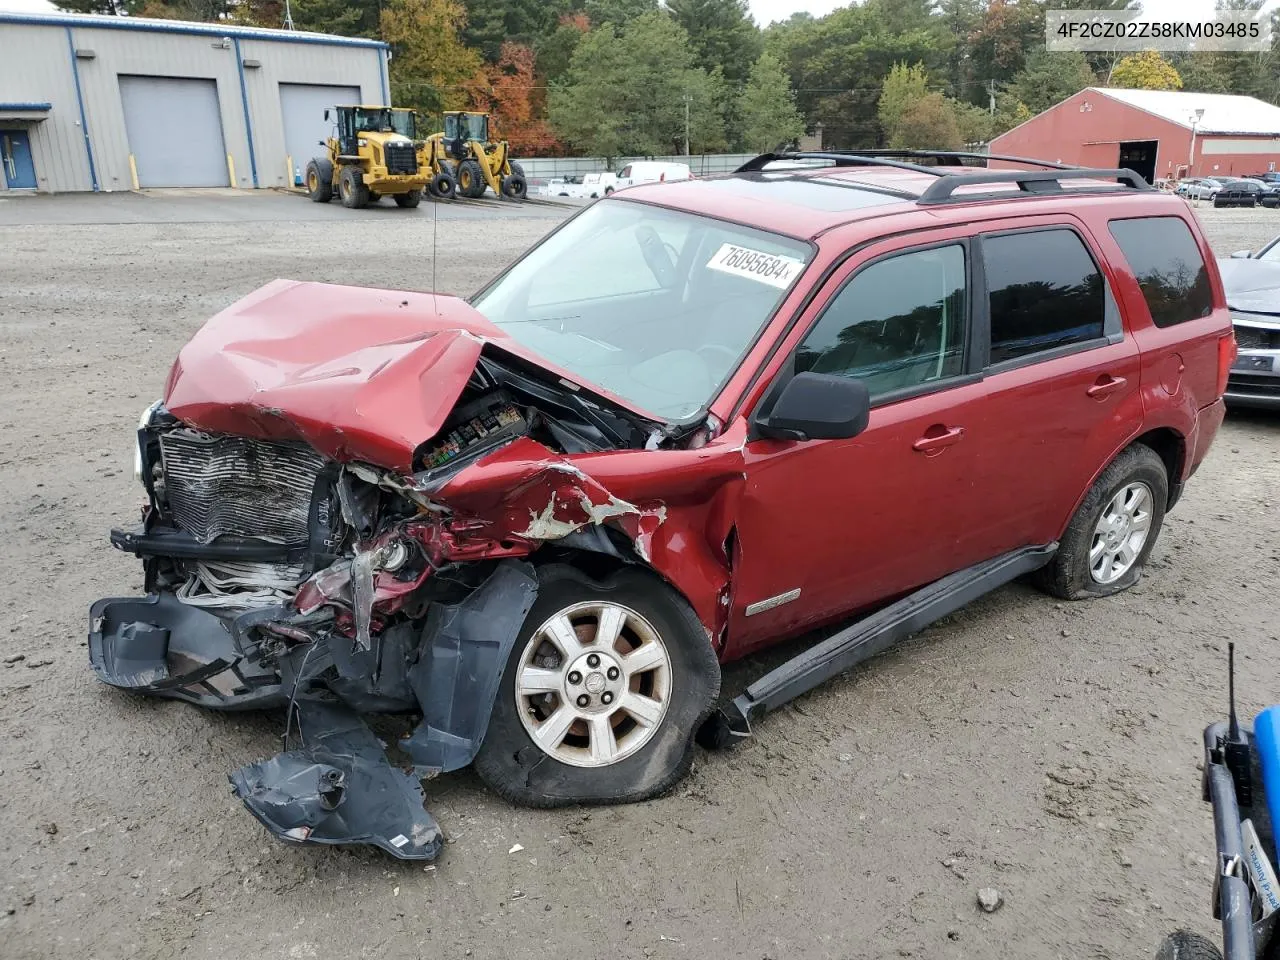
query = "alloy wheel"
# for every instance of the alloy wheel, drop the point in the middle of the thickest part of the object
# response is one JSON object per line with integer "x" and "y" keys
{"x": 1121, "y": 533}
{"x": 593, "y": 684}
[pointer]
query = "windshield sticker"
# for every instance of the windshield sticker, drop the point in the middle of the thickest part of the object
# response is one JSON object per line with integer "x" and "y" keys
{"x": 754, "y": 265}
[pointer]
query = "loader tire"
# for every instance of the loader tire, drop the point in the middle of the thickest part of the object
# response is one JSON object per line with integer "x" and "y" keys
{"x": 351, "y": 188}
{"x": 410, "y": 199}
{"x": 320, "y": 180}
{"x": 515, "y": 186}
{"x": 471, "y": 179}
{"x": 443, "y": 186}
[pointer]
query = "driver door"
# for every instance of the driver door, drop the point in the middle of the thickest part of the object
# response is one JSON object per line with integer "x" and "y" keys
{"x": 828, "y": 527}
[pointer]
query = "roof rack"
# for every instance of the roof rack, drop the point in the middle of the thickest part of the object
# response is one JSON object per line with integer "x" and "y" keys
{"x": 942, "y": 190}
{"x": 878, "y": 158}
{"x": 1034, "y": 182}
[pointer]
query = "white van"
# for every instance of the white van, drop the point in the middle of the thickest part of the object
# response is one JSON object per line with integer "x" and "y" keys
{"x": 650, "y": 171}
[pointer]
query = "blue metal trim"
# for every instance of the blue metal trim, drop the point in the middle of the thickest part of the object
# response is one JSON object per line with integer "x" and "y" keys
{"x": 198, "y": 29}
{"x": 248, "y": 124}
{"x": 382, "y": 72}
{"x": 84, "y": 121}
{"x": 31, "y": 107}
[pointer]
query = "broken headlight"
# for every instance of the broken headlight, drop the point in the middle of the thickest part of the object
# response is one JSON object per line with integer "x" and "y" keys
{"x": 144, "y": 421}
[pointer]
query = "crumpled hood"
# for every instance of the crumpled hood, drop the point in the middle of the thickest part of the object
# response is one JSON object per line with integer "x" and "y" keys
{"x": 357, "y": 373}
{"x": 1251, "y": 285}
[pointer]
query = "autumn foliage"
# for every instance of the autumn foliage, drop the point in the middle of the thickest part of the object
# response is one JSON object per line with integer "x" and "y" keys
{"x": 509, "y": 90}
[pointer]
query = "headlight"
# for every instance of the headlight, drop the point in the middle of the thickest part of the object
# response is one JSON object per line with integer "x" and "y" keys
{"x": 144, "y": 421}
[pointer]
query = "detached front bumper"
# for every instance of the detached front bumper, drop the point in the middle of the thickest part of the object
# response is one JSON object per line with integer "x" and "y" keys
{"x": 338, "y": 786}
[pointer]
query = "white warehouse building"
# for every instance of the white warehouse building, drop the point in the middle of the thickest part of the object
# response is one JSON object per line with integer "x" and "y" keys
{"x": 119, "y": 103}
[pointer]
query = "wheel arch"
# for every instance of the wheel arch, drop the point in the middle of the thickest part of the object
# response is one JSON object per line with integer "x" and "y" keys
{"x": 1169, "y": 444}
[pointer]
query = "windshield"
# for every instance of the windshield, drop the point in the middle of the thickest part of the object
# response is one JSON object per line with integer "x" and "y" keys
{"x": 654, "y": 305}
{"x": 402, "y": 121}
{"x": 372, "y": 120}
{"x": 476, "y": 126}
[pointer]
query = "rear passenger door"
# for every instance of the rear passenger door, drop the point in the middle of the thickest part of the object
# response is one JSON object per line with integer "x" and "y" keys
{"x": 1062, "y": 390}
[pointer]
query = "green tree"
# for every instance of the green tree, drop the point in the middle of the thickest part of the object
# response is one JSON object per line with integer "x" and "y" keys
{"x": 431, "y": 69}
{"x": 902, "y": 87}
{"x": 627, "y": 91}
{"x": 1048, "y": 78}
{"x": 722, "y": 33}
{"x": 1146, "y": 71}
{"x": 767, "y": 107}
{"x": 556, "y": 50}
{"x": 490, "y": 23}
{"x": 976, "y": 124}
{"x": 928, "y": 123}
{"x": 617, "y": 12}
{"x": 1201, "y": 74}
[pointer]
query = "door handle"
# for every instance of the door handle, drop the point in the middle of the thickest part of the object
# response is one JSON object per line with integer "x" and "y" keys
{"x": 1105, "y": 386}
{"x": 937, "y": 438}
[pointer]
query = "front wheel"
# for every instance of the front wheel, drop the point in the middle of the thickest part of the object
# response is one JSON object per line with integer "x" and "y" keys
{"x": 1111, "y": 535}
{"x": 410, "y": 199}
{"x": 606, "y": 686}
{"x": 471, "y": 181}
{"x": 351, "y": 188}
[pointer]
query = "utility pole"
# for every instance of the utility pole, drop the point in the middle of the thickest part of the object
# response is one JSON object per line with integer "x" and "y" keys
{"x": 1195, "y": 122}
{"x": 687, "y": 100}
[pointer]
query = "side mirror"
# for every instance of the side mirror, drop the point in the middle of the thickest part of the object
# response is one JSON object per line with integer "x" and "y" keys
{"x": 322, "y": 143}
{"x": 326, "y": 115}
{"x": 816, "y": 406}
{"x": 1242, "y": 255}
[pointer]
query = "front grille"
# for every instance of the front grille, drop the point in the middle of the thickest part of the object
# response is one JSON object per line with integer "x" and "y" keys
{"x": 401, "y": 158}
{"x": 1257, "y": 338}
{"x": 232, "y": 486}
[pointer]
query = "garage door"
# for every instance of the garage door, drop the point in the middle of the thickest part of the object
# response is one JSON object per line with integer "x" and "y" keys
{"x": 303, "y": 105}
{"x": 175, "y": 131}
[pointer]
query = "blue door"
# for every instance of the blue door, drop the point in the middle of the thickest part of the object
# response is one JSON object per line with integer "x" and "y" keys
{"x": 15, "y": 155}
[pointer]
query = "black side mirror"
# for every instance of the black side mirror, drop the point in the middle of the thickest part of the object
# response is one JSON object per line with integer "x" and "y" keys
{"x": 816, "y": 406}
{"x": 326, "y": 115}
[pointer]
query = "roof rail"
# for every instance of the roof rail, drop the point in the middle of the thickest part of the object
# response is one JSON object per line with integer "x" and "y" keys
{"x": 879, "y": 157}
{"x": 756, "y": 164}
{"x": 1036, "y": 182}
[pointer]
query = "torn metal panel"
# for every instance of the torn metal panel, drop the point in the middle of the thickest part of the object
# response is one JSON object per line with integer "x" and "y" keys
{"x": 339, "y": 788}
{"x": 465, "y": 648}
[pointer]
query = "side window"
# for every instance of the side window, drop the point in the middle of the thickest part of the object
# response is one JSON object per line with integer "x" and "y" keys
{"x": 1044, "y": 290}
{"x": 1168, "y": 265}
{"x": 897, "y": 324}
{"x": 626, "y": 172}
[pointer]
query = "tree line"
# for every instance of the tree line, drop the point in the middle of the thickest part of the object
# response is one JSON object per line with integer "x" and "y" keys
{"x": 651, "y": 77}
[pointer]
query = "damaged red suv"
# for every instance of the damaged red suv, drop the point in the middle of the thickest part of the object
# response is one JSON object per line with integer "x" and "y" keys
{"x": 827, "y": 389}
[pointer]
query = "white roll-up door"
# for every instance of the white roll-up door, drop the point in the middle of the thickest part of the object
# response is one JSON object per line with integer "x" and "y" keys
{"x": 175, "y": 131}
{"x": 303, "y": 105}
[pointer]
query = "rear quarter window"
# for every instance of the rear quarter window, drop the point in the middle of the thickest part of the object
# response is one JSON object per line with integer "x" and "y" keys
{"x": 1167, "y": 263}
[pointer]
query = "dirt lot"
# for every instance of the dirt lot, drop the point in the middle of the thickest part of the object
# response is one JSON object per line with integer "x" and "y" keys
{"x": 1047, "y": 750}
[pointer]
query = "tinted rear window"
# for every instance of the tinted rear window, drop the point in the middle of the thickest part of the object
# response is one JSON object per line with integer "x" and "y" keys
{"x": 1165, "y": 259}
{"x": 1045, "y": 293}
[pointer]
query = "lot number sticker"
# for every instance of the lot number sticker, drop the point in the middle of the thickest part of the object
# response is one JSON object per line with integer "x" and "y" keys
{"x": 755, "y": 265}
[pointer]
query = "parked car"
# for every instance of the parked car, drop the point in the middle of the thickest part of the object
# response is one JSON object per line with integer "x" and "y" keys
{"x": 1252, "y": 285}
{"x": 651, "y": 171}
{"x": 1269, "y": 192}
{"x": 1198, "y": 188}
{"x": 758, "y": 405}
{"x": 1238, "y": 193}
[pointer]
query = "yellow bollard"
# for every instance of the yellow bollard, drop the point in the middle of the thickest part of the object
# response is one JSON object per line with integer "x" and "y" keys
{"x": 288, "y": 176}
{"x": 231, "y": 169}
{"x": 133, "y": 171}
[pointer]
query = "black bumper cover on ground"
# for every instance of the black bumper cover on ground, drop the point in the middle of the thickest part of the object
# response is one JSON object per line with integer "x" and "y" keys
{"x": 338, "y": 787}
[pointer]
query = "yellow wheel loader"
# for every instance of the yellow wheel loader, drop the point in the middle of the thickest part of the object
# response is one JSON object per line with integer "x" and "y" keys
{"x": 480, "y": 162}
{"x": 375, "y": 153}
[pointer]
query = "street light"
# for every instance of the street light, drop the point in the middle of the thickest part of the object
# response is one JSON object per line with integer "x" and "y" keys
{"x": 1191, "y": 157}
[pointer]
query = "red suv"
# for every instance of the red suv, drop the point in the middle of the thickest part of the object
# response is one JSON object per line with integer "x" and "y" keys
{"x": 696, "y": 419}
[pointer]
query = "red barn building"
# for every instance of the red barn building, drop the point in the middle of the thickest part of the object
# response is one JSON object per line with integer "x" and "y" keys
{"x": 1158, "y": 133}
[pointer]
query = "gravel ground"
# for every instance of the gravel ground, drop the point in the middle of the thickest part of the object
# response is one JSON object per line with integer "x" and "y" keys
{"x": 1046, "y": 750}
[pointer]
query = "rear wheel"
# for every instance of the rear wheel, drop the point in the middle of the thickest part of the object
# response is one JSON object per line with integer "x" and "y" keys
{"x": 1109, "y": 539}
{"x": 351, "y": 188}
{"x": 320, "y": 180}
{"x": 470, "y": 179}
{"x": 606, "y": 686}
{"x": 410, "y": 199}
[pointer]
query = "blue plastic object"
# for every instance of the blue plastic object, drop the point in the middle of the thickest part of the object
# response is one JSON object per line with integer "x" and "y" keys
{"x": 1266, "y": 733}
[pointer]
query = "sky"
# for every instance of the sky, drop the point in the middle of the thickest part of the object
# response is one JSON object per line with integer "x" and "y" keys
{"x": 767, "y": 11}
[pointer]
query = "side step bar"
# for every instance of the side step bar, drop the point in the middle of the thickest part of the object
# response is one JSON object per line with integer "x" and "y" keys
{"x": 864, "y": 639}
